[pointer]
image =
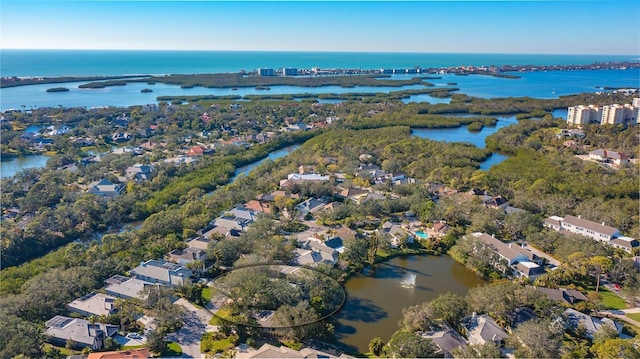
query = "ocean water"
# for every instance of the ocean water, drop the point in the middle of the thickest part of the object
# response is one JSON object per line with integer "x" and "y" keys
{"x": 50, "y": 63}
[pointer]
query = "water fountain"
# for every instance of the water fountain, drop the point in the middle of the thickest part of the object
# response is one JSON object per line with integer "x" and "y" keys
{"x": 409, "y": 281}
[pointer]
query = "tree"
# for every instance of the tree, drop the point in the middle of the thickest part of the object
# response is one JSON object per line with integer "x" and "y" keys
{"x": 487, "y": 350}
{"x": 449, "y": 307}
{"x": 601, "y": 264}
{"x": 616, "y": 348}
{"x": 535, "y": 339}
{"x": 410, "y": 345}
{"x": 156, "y": 341}
{"x": 355, "y": 251}
{"x": 376, "y": 345}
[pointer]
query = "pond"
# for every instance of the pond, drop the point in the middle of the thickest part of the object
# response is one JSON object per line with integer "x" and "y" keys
{"x": 375, "y": 299}
{"x": 14, "y": 165}
{"x": 273, "y": 155}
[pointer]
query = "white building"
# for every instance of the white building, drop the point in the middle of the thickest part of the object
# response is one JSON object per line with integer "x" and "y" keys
{"x": 583, "y": 115}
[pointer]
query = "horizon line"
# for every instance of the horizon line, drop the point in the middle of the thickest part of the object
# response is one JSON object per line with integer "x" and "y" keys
{"x": 326, "y": 51}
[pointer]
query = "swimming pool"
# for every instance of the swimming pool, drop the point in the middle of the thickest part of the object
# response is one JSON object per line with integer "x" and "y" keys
{"x": 422, "y": 235}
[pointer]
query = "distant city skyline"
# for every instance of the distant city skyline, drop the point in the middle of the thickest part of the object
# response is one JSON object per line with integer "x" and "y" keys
{"x": 544, "y": 27}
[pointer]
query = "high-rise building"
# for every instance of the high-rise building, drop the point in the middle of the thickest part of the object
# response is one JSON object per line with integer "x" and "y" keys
{"x": 265, "y": 72}
{"x": 290, "y": 71}
{"x": 635, "y": 102}
{"x": 584, "y": 115}
{"x": 619, "y": 114}
{"x": 612, "y": 114}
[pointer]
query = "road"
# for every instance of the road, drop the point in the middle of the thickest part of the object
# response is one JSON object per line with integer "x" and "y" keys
{"x": 189, "y": 337}
{"x": 620, "y": 314}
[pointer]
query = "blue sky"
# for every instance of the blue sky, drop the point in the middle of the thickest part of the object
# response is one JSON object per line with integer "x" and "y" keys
{"x": 564, "y": 27}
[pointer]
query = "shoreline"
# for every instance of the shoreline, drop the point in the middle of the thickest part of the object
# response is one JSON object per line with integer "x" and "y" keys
{"x": 503, "y": 71}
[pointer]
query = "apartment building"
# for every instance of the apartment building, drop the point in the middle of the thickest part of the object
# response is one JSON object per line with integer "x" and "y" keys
{"x": 584, "y": 115}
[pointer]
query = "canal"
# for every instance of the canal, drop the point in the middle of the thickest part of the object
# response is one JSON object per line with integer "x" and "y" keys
{"x": 376, "y": 298}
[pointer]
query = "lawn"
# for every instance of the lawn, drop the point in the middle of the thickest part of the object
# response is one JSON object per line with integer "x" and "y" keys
{"x": 634, "y": 316}
{"x": 172, "y": 350}
{"x": 223, "y": 312}
{"x": 209, "y": 344}
{"x": 611, "y": 300}
{"x": 207, "y": 294}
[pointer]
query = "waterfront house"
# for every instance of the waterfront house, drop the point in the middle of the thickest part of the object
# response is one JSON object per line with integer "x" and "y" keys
{"x": 523, "y": 262}
{"x": 271, "y": 351}
{"x": 79, "y": 333}
{"x": 482, "y": 329}
{"x": 446, "y": 339}
{"x": 162, "y": 272}
{"x": 94, "y": 304}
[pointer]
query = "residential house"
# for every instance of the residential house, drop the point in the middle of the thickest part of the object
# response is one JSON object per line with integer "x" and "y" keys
{"x": 354, "y": 194}
{"x": 397, "y": 234}
{"x": 125, "y": 288}
{"x": 225, "y": 231}
{"x": 187, "y": 255}
{"x": 80, "y": 333}
{"x": 136, "y": 151}
{"x": 94, "y": 304}
{"x": 310, "y": 205}
{"x": 105, "y": 188}
{"x": 199, "y": 242}
{"x": 313, "y": 251}
{"x": 609, "y": 156}
{"x": 121, "y": 137}
{"x": 575, "y": 319}
{"x": 335, "y": 243}
{"x": 162, "y": 272}
{"x": 238, "y": 218}
{"x": 440, "y": 228}
{"x": 497, "y": 202}
{"x": 139, "y": 172}
{"x": 271, "y": 351}
{"x": 562, "y": 295}
{"x": 626, "y": 243}
{"x": 198, "y": 151}
{"x": 483, "y": 329}
{"x": 258, "y": 206}
{"x": 446, "y": 339}
{"x": 296, "y": 178}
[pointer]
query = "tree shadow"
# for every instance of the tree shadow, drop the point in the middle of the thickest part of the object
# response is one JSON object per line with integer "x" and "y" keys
{"x": 395, "y": 266}
{"x": 363, "y": 310}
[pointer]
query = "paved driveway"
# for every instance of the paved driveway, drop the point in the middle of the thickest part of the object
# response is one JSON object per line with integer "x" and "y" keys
{"x": 196, "y": 321}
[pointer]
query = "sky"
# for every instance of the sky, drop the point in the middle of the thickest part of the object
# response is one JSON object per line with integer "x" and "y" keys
{"x": 545, "y": 27}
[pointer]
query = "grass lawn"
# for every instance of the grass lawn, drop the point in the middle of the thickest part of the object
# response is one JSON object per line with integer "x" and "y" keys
{"x": 207, "y": 294}
{"x": 223, "y": 312}
{"x": 62, "y": 350}
{"x": 612, "y": 301}
{"x": 634, "y": 316}
{"x": 172, "y": 350}
{"x": 211, "y": 345}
